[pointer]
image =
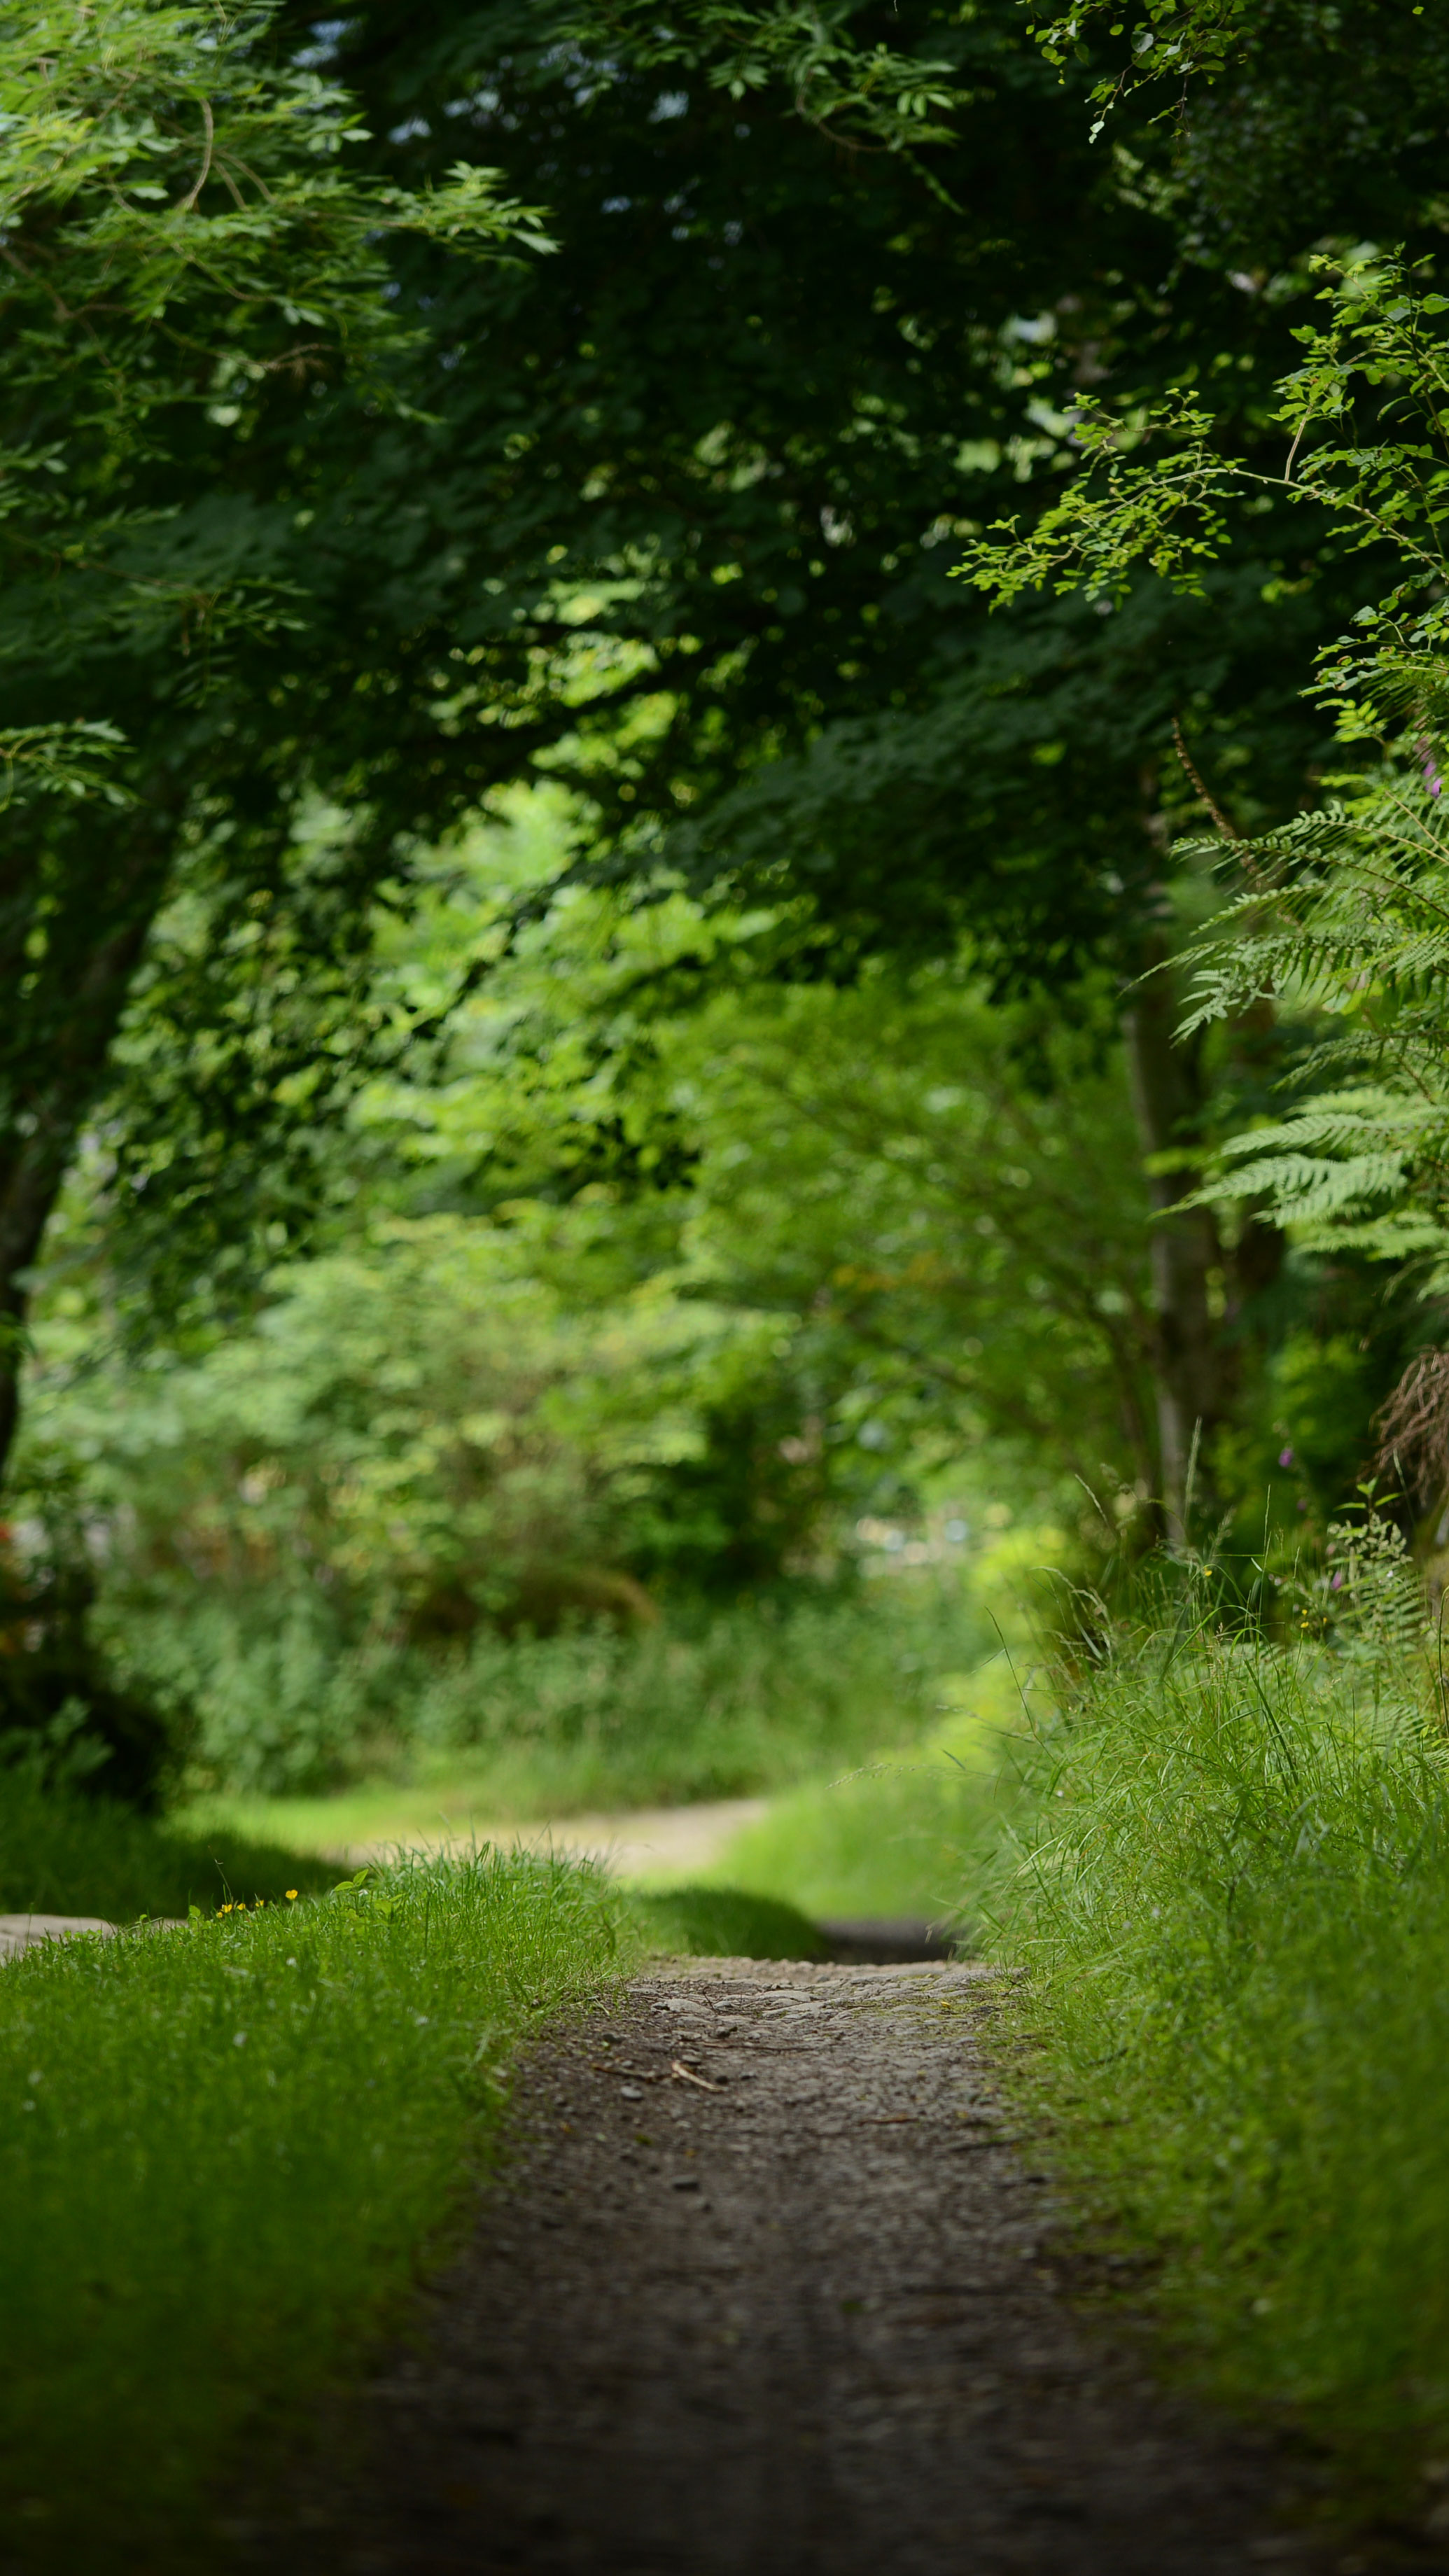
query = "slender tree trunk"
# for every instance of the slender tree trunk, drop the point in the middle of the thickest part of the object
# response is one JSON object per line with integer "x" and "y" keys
{"x": 1193, "y": 1373}
{"x": 59, "y": 1045}
{"x": 1202, "y": 1288}
{"x": 27, "y": 1195}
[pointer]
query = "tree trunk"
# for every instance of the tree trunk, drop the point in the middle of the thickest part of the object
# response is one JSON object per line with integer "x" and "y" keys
{"x": 1193, "y": 1373}
{"x": 27, "y": 1195}
{"x": 58, "y": 1046}
{"x": 1201, "y": 1286}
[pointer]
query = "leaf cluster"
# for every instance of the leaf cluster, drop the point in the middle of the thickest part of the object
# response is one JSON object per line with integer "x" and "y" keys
{"x": 180, "y": 234}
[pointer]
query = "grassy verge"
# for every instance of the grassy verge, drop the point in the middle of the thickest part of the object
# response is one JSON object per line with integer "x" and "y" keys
{"x": 1234, "y": 1912}
{"x": 71, "y": 1855}
{"x": 230, "y": 2144}
{"x": 885, "y": 1842}
{"x": 897, "y": 1838}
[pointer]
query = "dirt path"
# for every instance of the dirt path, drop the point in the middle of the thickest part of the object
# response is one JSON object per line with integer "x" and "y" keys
{"x": 765, "y": 2291}
{"x": 640, "y": 1842}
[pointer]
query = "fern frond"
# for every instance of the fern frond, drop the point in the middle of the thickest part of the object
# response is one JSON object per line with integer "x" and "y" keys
{"x": 1306, "y": 1189}
{"x": 1346, "y": 1121}
{"x": 1347, "y": 914}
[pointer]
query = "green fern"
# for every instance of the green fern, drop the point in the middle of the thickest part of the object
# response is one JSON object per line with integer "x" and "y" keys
{"x": 1347, "y": 914}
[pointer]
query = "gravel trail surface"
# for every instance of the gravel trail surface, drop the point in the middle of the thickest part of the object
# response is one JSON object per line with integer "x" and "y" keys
{"x": 767, "y": 2290}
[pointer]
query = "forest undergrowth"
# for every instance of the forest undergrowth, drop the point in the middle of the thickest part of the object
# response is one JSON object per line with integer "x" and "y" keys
{"x": 740, "y": 1701}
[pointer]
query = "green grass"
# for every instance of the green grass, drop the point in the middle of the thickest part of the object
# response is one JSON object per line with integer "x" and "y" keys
{"x": 231, "y": 2145}
{"x": 73, "y": 1855}
{"x": 885, "y": 1842}
{"x": 724, "y": 1923}
{"x": 442, "y": 1800}
{"x": 906, "y": 1836}
{"x": 1235, "y": 1915}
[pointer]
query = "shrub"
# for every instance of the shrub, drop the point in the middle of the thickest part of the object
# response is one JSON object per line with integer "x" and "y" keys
{"x": 731, "y": 1702}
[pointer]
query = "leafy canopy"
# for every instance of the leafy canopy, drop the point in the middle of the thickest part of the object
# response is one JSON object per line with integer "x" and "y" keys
{"x": 180, "y": 234}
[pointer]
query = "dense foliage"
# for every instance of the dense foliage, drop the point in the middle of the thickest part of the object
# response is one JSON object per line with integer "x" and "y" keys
{"x": 193, "y": 303}
{"x": 732, "y": 430}
{"x": 1337, "y": 913}
{"x": 776, "y": 1124}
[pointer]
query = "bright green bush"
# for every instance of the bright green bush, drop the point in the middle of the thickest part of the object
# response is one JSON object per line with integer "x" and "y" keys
{"x": 266, "y": 1703}
{"x": 231, "y": 2143}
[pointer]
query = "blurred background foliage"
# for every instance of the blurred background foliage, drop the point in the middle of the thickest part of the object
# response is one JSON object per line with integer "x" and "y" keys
{"x": 637, "y": 1308}
{"x": 665, "y": 1316}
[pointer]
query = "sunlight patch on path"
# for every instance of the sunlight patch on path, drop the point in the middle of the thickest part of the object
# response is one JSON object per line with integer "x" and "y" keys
{"x": 642, "y": 1844}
